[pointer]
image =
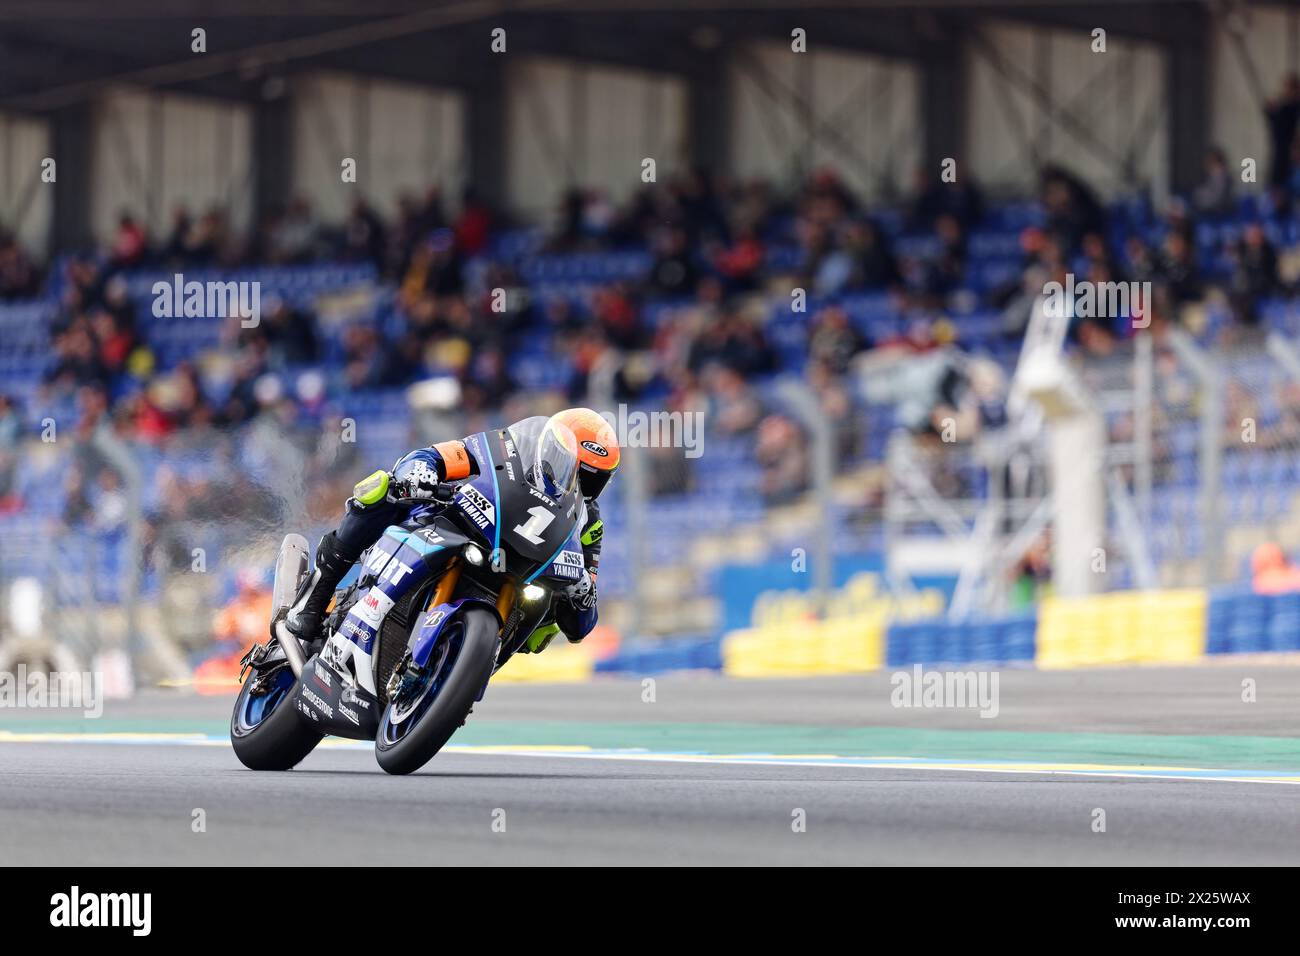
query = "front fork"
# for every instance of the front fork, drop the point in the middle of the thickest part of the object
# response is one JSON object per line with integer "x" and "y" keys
{"x": 446, "y": 588}
{"x": 443, "y": 593}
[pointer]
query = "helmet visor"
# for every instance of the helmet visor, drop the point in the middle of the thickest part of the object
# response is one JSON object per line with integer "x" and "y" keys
{"x": 555, "y": 469}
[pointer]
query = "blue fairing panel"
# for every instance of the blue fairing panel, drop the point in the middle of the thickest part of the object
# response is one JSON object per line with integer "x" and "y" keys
{"x": 400, "y": 560}
{"x": 425, "y": 637}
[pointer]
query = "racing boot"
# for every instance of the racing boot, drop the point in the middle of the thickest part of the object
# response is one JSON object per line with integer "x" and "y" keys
{"x": 305, "y": 615}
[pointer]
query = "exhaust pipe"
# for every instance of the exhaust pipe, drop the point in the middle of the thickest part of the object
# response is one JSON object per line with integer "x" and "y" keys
{"x": 292, "y": 649}
{"x": 290, "y": 568}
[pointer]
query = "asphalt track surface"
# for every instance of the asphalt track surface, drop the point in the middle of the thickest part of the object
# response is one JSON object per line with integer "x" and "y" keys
{"x": 712, "y": 771}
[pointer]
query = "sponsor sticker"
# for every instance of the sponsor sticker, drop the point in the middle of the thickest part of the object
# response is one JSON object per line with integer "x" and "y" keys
{"x": 317, "y": 701}
{"x": 475, "y": 504}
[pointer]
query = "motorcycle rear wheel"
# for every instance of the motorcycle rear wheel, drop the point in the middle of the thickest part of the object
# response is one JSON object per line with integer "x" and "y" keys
{"x": 266, "y": 731}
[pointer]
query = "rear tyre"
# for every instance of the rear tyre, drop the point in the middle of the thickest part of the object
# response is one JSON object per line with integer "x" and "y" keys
{"x": 266, "y": 731}
{"x": 417, "y": 724}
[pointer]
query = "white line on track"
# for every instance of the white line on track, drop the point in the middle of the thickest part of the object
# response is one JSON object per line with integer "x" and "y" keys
{"x": 751, "y": 759}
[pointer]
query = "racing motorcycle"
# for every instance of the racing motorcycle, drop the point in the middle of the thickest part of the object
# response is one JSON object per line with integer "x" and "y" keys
{"x": 441, "y": 602}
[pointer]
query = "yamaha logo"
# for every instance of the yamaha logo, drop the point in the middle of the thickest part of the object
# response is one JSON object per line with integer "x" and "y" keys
{"x": 595, "y": 448}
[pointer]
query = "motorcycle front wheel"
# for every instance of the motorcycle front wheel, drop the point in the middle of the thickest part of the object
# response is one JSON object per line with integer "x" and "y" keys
{"x": 421, "y": 719}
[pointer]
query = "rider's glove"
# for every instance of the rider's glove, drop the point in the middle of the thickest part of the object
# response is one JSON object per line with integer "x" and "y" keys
{"x": 582, "y": 592}
{"x": 416, "y": 479}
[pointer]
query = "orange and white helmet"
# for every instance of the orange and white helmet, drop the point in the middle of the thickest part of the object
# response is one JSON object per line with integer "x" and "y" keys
{"x": 598, "y": 451}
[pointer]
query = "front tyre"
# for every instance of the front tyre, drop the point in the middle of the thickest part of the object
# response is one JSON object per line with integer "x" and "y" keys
{"x": 265, "y": 730}
{"x": 418, "y": 722}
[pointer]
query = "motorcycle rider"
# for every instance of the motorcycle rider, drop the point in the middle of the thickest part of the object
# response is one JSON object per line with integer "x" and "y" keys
{"x": 385, "y": 498}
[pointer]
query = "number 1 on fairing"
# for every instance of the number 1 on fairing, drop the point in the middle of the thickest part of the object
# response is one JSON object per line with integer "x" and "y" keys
{"x": 531, "y": 530}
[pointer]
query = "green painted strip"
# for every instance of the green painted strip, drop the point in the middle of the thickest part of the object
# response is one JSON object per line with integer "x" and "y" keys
{"x": 732, "y": 738}
{"x": 738, "y": 738}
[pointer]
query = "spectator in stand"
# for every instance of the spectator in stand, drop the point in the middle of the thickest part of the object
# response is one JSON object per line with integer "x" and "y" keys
{"x": 1283, "y": 116}
{"x": 570, "y": 234}
{"x": 736, "y": 341}
{"x": 76, "y": 359}
{"x": 1179, "y": 270}
{"x": 11, "y": 433}
{"x": 836, "y": 405}
{"x": 734, "y": 406}
{"x": 701, "y": 208}
{"x": 932, "y": 198}
{"x": 1178, "y": 218}
{"x": 1254, "y": 274}
{"x": 1214, "y": 197}
{"x": 1097, "y": 333}
{"x": 472, "y": 225}
{"x": 874, "y": 266}
{"x": 486, "y": 382}
{"x": 241, "y": 401}
{"x": 18, "y": 275}
{"x": 826, "y": 199}
{"x": 115, "y": 343}
{"x": 188, "y": 406}
{"x": 834, "y": 341}
{"x": 293, "y": 237}
{"x": 861, "y": 259}
{"x": 130, "y": 243}
{"x": 77, "y": 510}
{"x": 741, "y": 263}
{"x": 1097, "y": 254}
{"x": 363, "y": 357}
{"x": 1072, "y": 209}
{"x": 1271, "y": 572}
{"x": 289, "y": 333}
{"x": 781, "y": 451}
{"x": 938, "y": 278}
{"x": 1033, "y": 573}
{"x": 817, "y": 248}
{"x": 437, "y": 268}
{"x": 615, "y": 311}
{"x": 673, "y": 273}
{"x": 234, "y": 629}
{"x": 1143, "y": 263}
{"x": 364, "y": 239}
{"x": 175, "y": 252}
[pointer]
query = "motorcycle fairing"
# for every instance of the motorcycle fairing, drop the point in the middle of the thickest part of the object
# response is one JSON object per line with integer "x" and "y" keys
{"x": 398, "y": 562}
{"x": 425, "y": 638}
{"x": 327, "y": 699}
{"x": 543, "y": 526}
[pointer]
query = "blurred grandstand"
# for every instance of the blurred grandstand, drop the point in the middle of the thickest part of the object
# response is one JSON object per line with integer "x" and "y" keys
{"x": 852, "y": 325}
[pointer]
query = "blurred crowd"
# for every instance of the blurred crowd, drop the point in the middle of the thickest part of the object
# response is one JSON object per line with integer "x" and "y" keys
{"x": 697, "y": 331}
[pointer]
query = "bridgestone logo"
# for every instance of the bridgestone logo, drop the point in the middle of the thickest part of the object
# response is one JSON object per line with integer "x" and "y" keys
{"x": 325, "y": 708}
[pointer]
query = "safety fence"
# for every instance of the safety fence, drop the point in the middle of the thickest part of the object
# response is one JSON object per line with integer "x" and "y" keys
{"x": 1120, "y": 628}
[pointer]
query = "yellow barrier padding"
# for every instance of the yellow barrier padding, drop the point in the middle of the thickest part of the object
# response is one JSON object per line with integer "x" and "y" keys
{"x": 835, "y": 646}
{"x": 1125, "y": 627}
{"x": 787, "y": 639}
{"x": 561, "y": 663}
